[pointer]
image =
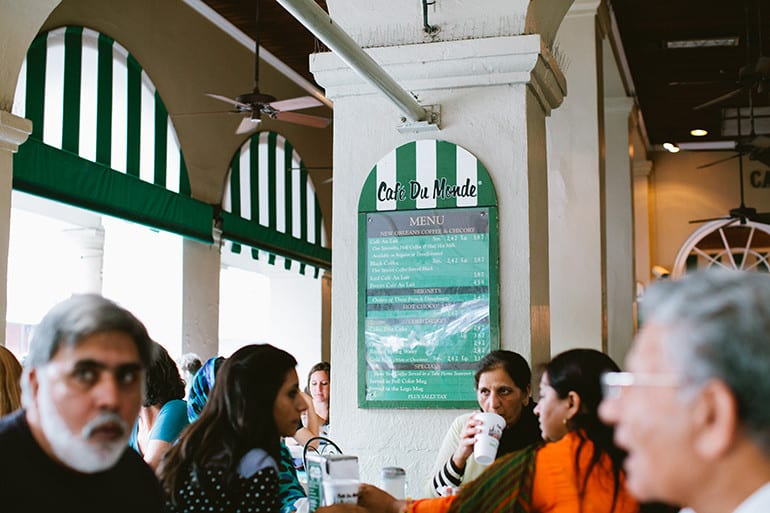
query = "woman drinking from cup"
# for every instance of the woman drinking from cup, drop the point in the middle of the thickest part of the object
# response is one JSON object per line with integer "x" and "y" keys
{"x": 580, "y": 470}
{"x": 502, "y": 387}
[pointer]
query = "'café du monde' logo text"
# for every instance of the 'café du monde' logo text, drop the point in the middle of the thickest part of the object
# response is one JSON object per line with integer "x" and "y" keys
{"x": 415, "y": 190}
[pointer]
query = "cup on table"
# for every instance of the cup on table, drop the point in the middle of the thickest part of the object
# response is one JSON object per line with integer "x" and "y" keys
{"x": 487, "y": 441}
{"x": 340, "y": 491}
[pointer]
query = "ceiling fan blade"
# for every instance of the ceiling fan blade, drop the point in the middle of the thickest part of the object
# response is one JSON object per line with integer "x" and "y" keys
{"x": 718, "y": 161}
{"x": 761, "y": 141}
{"x": 719, "y": 99}
{"x": 248, "y": 124}
{"x": 302, "y": 102}
{"x": 708, "y": 220}
{"x": 203, "y": 113}
{"x": 761, "y": 217}
{"x": 303, "y": 119}
{"x": 225, "y": 99}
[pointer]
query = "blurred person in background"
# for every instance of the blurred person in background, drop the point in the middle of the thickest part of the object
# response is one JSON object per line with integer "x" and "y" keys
{"x": 163, "y": 414}
{"x": 10, "y": 382}
{"x": 319, "y": 388}
{"x": 189, "y": 364}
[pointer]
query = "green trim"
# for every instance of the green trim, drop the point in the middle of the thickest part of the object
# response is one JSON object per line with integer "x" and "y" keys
{"x": 60, "y": 175}
{"x": 406, "y": 169}
{"x": 134, "y": 115}
{"x": 104, "y": 101}
{"x": 253, "y": 234}
{"x": 446, "y": 167}
{"x": 184, "y": 178}
{"x": 303, "y": 202}
{"x": 254, "y": 177}
{"x": 361, "y": 314}
{"x": 35, "y": 100}
{"x": 287, "y": 192}
{"x": 271, "y": 140}
{"x": 235, "y": 186}
{"x": 161, "y": 141}
{"x": 73, "y": 64}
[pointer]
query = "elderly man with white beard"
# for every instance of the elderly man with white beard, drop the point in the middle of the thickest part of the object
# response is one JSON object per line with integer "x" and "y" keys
{"x": 65, "y": 451}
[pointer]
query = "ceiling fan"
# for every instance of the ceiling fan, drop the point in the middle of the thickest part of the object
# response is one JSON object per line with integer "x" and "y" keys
{"x": 741, "y": 213}
{"x": 255, "y": 103}
{"x": 755, "y": 74}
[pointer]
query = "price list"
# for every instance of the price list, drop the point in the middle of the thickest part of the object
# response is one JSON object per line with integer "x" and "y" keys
{"x": 427, "y": 320}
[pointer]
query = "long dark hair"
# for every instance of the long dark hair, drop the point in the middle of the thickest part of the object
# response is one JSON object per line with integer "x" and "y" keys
{"x": 579, "y": 371}
{"x": 237, "y": 417}
{"x": 162, "y": 382}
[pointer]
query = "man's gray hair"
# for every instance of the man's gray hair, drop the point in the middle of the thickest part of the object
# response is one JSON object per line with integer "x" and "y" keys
{"x": 717, "y": 325}
{"x": 80, "y": 316}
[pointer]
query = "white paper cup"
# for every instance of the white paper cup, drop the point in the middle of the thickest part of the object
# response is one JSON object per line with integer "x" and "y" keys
{"x": 340, "y": 491}
{"x": 487, "y": 441}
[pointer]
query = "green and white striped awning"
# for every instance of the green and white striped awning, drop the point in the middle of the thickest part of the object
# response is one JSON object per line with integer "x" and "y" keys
{"x": 270, "y": 204}
{"x": 102, "y": 139}
{"x": 99, "y": 124}
{"x": 427, "y": 174}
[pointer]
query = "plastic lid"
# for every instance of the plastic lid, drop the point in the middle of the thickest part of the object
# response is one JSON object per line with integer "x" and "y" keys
{"x": 393, "y": 472}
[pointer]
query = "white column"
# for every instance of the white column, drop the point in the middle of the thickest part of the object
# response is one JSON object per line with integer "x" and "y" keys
{"x": 494, "y": 95}
{"x": 619, "y": 219}
{"x": 13, "y": 132}
{"x": 642, "y": 199}
{"x": 200, "y": 298}
{"x": 326, "y": 316}
{"x": 90, "y": 242}
{"x": 575, "y": 189}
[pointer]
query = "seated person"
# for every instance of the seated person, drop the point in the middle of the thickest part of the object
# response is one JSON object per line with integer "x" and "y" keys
{"x": 291, "y": 494}
{"x": 163, "y": 414}
{"x": 227, "y": 460}
{"x": 579, "y": 470}
{"x": 503, "y": 387}
{"x": 318, "y": 386}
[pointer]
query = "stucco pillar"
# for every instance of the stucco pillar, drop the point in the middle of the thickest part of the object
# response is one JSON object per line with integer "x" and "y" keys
{"x": 619, "y": 224}
{"x": 200, "y": 298}
{"x": 576, "y": 188}
{"x": 642, "y": 225}
{"x": 13, "y": 132}
{"x": 326, "y": 316}
{"x": 494, "y": 94}
{"x": 90, "y": 242}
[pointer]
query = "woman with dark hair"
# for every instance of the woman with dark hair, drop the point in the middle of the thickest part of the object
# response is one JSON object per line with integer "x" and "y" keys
{"x": 503, "y": 387}
{"x": 580, "y": 470}
{"x": 163, "y": 414}
{"x": 227, "y": 460}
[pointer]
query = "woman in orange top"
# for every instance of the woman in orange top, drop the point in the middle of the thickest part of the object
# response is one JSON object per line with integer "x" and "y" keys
{"x": 578, "y": 472}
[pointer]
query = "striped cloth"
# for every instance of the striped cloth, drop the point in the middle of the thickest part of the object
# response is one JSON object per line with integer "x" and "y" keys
{"x": 201, "y": 386}
{"x": 506, "y": 486}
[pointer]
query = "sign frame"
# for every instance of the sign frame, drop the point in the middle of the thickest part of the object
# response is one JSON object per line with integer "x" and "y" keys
{"x": 408, "y": 185}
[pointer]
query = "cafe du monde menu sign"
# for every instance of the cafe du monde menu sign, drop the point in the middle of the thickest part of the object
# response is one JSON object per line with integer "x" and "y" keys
{"x": 428, "y": 295}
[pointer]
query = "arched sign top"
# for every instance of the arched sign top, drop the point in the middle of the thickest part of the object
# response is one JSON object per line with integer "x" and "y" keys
{"x": 427, "y": 174}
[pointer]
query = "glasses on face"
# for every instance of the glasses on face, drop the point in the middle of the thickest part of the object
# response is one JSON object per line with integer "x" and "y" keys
{"x": 614, "y": 382}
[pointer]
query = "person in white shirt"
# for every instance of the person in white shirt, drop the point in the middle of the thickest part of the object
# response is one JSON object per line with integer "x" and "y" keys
{"x": 692, "y": 411}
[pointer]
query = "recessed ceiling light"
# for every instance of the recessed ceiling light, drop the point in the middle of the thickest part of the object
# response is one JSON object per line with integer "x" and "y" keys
{"x": 703, "y": 43}
{"x": 698, "y": 132}
{"x": 671, "y": 147}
